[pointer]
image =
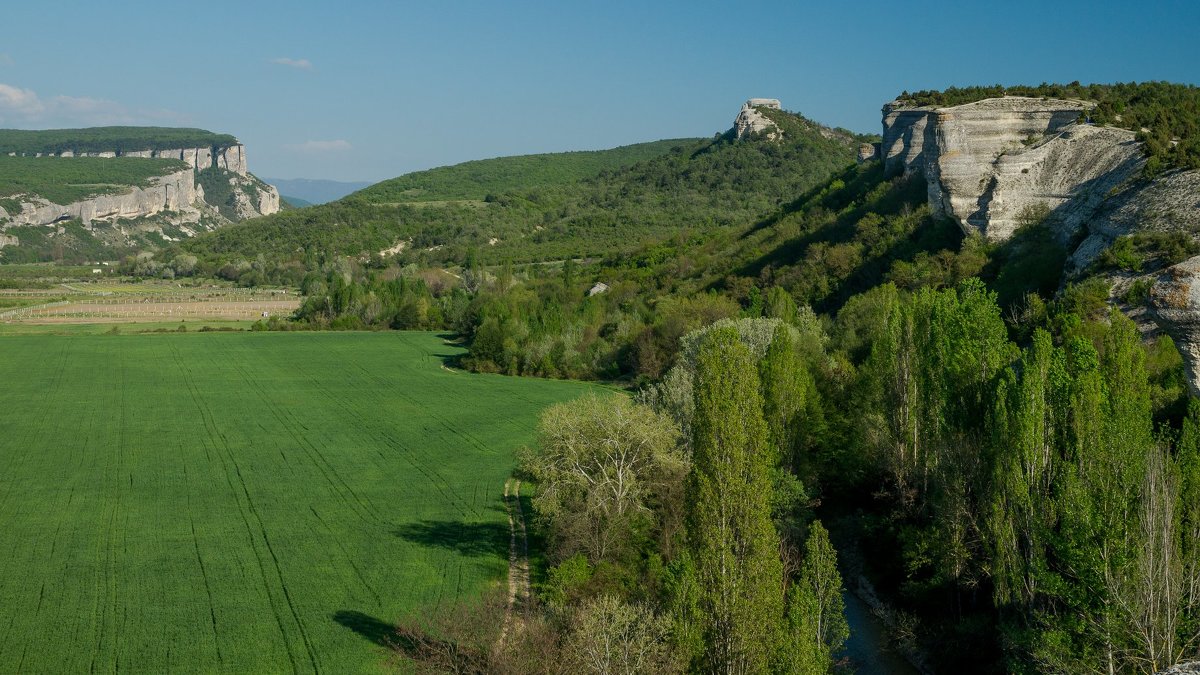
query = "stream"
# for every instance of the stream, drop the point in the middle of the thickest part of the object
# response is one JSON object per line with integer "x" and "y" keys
{"x": 867, "y": 649}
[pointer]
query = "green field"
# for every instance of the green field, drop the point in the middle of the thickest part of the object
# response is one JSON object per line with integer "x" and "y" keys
{"x": 244, "y": 502}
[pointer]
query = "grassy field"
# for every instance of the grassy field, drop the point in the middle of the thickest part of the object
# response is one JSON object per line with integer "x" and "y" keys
{"x": 244, "y": 502}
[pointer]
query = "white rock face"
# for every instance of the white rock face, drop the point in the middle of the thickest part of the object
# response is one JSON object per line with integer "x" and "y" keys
{"x": 8, "y": 240}
{"x": 987, "y": 162}
{"x": 268, "y": 200}
{"x": 204, "y": 159}
{"x": 906, "y": 132}
{"x": 233, "y": 159}
{"x": 750, "y": 121}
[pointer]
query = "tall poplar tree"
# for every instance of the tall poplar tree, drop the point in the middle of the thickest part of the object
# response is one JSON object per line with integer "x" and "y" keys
{"x": 732, "y": 538}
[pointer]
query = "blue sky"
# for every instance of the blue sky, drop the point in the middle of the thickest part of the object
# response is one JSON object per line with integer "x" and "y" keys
{"x": 363, "y": 90}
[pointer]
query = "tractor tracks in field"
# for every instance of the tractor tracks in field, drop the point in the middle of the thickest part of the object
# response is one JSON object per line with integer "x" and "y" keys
{"x": 518, "y": 559}
{"x": 248, "y": 509}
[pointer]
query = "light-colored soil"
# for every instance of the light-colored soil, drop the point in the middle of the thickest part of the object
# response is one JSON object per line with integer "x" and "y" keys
{"x": 135, "y": 312}
{"x": 518, "y": 556}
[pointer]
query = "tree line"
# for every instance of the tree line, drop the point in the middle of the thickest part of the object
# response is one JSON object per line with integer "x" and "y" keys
{"x": 1024, "y": 492}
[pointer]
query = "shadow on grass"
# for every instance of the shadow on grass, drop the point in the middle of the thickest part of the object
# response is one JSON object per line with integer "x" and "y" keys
{"x": 368, "y": 627}
{"x": 470, "y": 539}
{"x": 452, "y": 359}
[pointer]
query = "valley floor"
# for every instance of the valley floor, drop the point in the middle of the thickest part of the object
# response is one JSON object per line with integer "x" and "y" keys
{"x": 244, "y": 502}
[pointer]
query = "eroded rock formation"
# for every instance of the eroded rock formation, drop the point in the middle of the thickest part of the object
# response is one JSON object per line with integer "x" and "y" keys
{"x": 987, "y": 162}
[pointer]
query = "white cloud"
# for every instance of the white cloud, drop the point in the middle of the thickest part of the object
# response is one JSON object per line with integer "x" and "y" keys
{"x": 24, "y": 106}
{"x": 301, "y": 64}
{"x": 17, "y": 102}
{"x": 5, "y": 59}
{"x": 320, "y": 146}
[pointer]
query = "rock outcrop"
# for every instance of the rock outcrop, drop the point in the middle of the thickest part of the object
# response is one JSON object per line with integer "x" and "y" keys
{"x": 751, "y": 121}
{"x": 906, "y": 132}
{"x": 987, "y": 162}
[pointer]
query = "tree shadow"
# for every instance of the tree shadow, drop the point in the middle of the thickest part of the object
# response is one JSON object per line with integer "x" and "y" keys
{"x": 470, "y": 539}
{"x": 368, "y": 627}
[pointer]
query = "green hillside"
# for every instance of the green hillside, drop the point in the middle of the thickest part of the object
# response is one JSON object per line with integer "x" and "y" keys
{"x": 109, "y": 139}
{"x": 477, "y": 179}
{"x": 697, "y": 186}
{"x": 64, "y": 180}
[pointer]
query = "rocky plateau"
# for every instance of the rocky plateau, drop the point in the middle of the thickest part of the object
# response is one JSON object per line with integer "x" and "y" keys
{"x": 176, "y": 199}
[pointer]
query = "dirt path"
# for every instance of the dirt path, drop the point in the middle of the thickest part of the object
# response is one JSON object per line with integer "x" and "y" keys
{"x": 518, "y": 555}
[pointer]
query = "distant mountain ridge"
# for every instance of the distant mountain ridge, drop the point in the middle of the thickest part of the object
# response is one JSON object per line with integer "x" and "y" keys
{"x": 315, "y": 190}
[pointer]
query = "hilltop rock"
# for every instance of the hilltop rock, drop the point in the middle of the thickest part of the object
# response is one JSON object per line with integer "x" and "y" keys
{"x": 751, "y": 121}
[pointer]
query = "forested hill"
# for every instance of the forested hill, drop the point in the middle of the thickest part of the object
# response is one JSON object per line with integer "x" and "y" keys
{"x": 477, "y": 179}
{"x": 109, "y": 139}
{"x": 510, "y": 209}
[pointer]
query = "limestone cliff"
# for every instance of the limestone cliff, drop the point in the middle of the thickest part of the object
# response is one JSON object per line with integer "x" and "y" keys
{"x": 231, "y": 158}
{"x": 177, "y": 199}
{"x": 173, "y": 192}
{"x": 987, "y": 162}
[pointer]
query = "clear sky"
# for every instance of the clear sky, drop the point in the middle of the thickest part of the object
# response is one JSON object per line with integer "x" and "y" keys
{"x": 367, "y": 90}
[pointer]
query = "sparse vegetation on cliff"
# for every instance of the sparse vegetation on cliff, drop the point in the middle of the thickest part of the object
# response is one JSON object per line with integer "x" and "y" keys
{"x": 65, "y": 180}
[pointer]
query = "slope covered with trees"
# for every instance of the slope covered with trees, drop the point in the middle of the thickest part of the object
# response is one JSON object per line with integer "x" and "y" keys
{"x": 477, "y": 179}
{"x": 701, "y": 186}
{"x": 109, "y": 139}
